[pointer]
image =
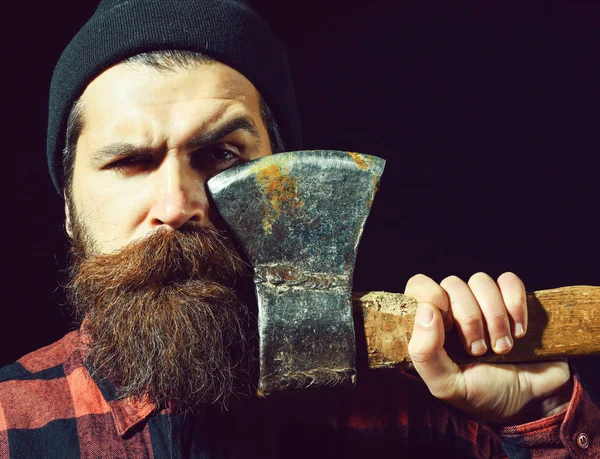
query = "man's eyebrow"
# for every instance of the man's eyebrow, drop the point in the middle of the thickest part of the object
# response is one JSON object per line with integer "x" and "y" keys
{"x": 208, "y": 138}
{"x": 123, "y": 149}
{"x": 118, "y": 150}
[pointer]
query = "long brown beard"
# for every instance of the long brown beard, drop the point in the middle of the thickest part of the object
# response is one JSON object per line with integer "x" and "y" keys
{"x": 162, "y": 315}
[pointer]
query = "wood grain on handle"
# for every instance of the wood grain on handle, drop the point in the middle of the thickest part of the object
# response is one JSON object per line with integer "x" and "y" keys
{"x": 563, "y": 322}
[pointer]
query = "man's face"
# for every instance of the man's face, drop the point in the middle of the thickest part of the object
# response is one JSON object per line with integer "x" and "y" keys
{"x": 152, "y": 140}
{"x": 163, "y": 294}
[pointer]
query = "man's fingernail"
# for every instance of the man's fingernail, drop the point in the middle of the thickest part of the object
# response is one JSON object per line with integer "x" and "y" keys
{"x": 503, "y": 344}
{"x": 478, "y": 347}
{"x": 424, "y": 315}
{"x": 519, "y": 331}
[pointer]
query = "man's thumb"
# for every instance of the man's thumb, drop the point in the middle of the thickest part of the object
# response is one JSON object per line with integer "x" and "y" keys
{"x": 426, "y": 349}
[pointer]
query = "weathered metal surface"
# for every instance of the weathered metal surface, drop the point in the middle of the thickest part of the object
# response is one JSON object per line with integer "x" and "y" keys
{"x": 299, "y": 217}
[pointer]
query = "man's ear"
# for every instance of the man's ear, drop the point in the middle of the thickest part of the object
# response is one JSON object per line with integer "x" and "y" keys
{"x": 68, "y": 224}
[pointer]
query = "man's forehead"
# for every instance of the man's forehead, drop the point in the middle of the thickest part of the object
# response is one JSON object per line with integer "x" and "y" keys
{"x": 144, "y": 105}
{"x": 212, "y": 79}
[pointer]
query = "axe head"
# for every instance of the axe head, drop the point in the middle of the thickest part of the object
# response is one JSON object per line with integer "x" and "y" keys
{"x": 299, "y": 217}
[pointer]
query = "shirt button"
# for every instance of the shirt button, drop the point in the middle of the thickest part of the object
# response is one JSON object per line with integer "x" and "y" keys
{"x": 583, "y": 441}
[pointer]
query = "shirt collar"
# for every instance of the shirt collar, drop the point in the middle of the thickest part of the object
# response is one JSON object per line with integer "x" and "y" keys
{"x": 126, "y": 412}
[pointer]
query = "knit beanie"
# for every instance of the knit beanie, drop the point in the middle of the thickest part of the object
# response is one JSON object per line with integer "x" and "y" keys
{"x": 229, "y": 31}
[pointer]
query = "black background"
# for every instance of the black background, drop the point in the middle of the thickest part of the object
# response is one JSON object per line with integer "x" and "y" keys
{"x": 488, "y": 114}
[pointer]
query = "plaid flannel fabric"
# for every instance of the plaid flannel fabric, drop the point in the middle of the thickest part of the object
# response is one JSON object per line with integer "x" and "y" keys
{"x": 50, "y": 406}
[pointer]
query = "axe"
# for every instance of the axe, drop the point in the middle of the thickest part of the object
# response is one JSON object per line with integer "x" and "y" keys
{"x": 299, "y": 216}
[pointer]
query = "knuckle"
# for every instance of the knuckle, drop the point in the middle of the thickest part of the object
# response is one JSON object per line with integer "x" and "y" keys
{"x": 418, "y": 279}
{"x": 479, "y": 277}
{"x": 471, "y": 322}
{"x": 511, "y": 286}
{"x": 451, "y": 280}
{"x": 496, "y": 317}
{"x": 508, "y": 276}
{"x": 498, "y": 324}
{"x": 419, "y": 357}
{"x": 418, "y": 354}
{"x": 421, "y": 349}
{"x": 425, "y": 289}
{"x": 471, "y": 328}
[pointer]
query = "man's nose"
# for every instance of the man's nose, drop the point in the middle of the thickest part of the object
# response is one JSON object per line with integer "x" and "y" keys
{"x": 180, "y": 195}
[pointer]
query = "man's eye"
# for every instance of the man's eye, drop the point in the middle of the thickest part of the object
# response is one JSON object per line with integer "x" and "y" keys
{"x": 215, "y": 159}
{"x": 129, "y": 162}
{"x": 221, "y": 154}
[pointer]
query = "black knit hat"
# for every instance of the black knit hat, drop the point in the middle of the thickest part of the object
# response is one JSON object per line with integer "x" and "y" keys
{"x": 226, "y": 30}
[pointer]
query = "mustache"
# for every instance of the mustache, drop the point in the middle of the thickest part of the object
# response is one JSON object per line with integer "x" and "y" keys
{"x": 165, "y": 257}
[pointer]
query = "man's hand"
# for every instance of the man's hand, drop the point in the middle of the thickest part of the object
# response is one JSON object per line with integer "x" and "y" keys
{"x": 488, "y": 316}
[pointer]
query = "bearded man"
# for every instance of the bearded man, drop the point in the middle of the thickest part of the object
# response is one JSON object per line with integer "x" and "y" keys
{"x": 149, "y": 101}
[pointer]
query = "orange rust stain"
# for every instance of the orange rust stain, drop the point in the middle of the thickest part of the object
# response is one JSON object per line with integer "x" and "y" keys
{"x": 268, "y": 173}
{"x": 375, "y": 182}
{"x": 360, "y": 161}
{"x": 281, "y": 191}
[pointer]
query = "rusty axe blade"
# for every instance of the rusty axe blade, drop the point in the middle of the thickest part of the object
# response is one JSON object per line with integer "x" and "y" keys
{"x": 300, "y": 230}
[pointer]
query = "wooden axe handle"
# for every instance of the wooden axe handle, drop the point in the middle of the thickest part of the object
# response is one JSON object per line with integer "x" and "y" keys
{"x": 563, "y": 323}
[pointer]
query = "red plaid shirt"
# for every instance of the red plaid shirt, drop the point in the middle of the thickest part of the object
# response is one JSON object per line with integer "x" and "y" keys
{"x": 51, "y": 407}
